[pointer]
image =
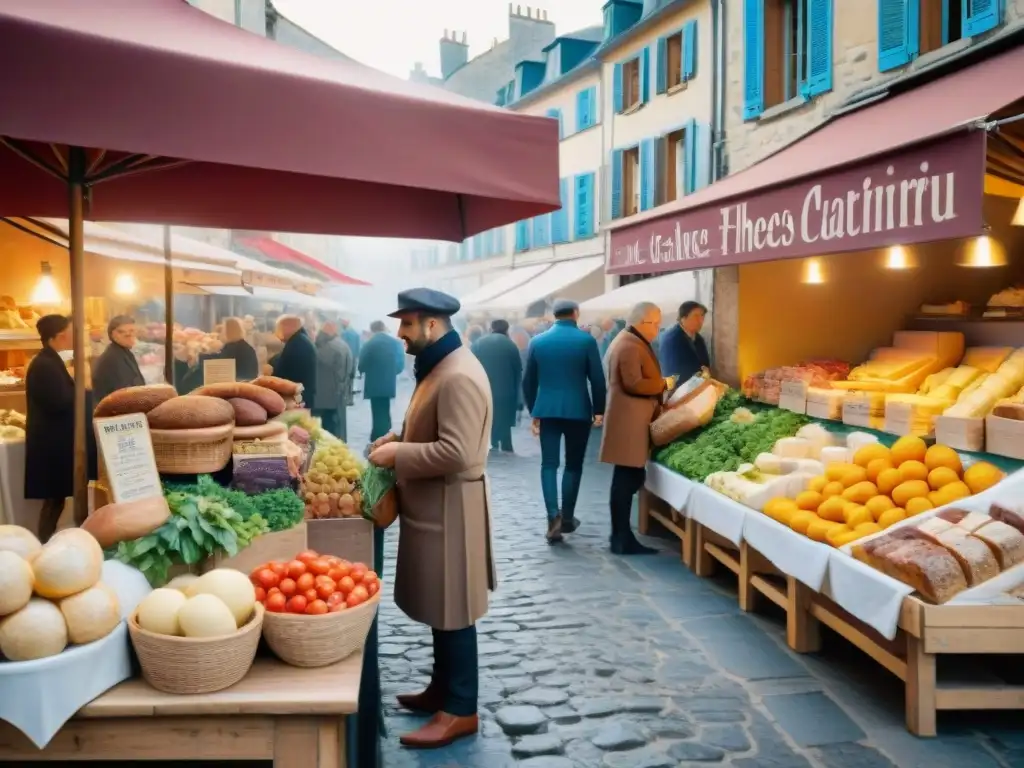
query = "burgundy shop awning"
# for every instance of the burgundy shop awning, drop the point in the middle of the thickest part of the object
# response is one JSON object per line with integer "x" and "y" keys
{"x": 280, "y": 252}
{"x": 907, "y": 169}
{"x": 221, "y": 128}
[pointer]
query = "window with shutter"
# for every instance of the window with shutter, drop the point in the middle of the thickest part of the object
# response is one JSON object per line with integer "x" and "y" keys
{"x": 522, "y": 235}
{"x": 909, "y": 28}
{"x": 648, "y": 174}
{"x": 675, "y": 165}
{"x": 980, "y": 16}
{"x": 819, "y": 47}
{"x": 753, "y": 58}
{"x": 618, "y": 93}
{"x": 690, "y": 50}
{"x": 897, "y": 33}
{"x": 661, "y": 66}
{"x": 560, "y": 218}
{"x": 629, "y": 83}
{"x": 616, "y": 173}
{"x": 584, "y": 205}
{"x": 542, "y": 231}
{"x": 557, "y": 115}
{"x": 631, "y": 183}
{"x": 645, "y": 75}
{"x": 586, "y": 108}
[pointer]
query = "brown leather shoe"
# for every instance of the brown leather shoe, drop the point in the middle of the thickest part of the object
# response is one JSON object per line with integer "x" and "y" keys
{"x": 441, "y": 731}
{"x": 424, "y": 701}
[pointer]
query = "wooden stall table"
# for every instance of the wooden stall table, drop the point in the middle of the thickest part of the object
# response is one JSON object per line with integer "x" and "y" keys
{"x": 295, "y": 717}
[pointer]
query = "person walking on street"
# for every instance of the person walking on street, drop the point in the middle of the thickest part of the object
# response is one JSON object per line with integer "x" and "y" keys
{"x": 499, "y": 356}
{"x": 297, "y": 361}
{"x": 682, "y": 351}
{"x": 351, "y": 337}
{"x": 381, "y": 360}
{"x": 445, "y": 565}
{"x": 635, "y": 387}
{"x": 560, "y": 364}
{"x": 334, "y": 366}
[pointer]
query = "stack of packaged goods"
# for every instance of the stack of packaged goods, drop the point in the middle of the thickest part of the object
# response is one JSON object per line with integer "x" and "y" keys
{"x": 766, "y": 387}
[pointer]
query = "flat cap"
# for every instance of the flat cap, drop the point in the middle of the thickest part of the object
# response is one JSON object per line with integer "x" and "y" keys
{"x": 564, "y": 306}
{"x": 426, "y": 300}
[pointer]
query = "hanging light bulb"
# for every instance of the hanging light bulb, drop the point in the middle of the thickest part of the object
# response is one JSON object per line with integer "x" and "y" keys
{"x": 1018, "y": 217}
{"x": 982, "y": 252}
{"x": 46, "y": 293}
{"x": 898, "y": 257}
{"x": 813, "y": 272}
{"x": 124, "y": 285}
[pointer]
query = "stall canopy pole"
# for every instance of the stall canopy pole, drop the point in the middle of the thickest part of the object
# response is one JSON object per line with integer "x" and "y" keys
{"x": 168, "y": 309}
{"x": 76, "y": 238}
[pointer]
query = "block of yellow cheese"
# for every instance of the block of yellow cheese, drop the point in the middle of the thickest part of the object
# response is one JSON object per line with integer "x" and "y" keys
{"x": 988, "y": 359}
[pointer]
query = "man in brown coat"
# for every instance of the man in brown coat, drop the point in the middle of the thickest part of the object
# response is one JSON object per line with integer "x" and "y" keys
{"x": 445, "y": 566}
{"x": 635, "y": 388}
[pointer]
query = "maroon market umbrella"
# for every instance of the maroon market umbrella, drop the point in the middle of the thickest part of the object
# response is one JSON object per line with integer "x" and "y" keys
{"x": 153, "y": 111}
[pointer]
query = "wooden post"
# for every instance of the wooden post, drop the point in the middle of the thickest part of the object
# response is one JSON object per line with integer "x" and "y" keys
{"x": 168, "y": 308}
{"x": 921, "y": 684}
{"x": 76, "y": 258}
{"x": 703, "y": 563}
{"x": 643, "y": 518}
{"x": 747, "y": 593}
{"x": 803, "y": 632}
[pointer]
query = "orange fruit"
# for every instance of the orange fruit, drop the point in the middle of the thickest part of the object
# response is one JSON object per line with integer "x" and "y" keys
{"x": 878, "y": 505}
{"x": 887, "y": 481}
{"x": 891, "y": 516}
{"x": 908, "y": 448}
{"x": 947, "y": 494}
{"x": 981, "y": 476}
{"x": 941, "y": 476}
{"x": 943, "y": 456}
{"x": 911, "y": 489}
{"x": 868, "y": 453}
{"x": 834, "y": 488}
{"x": 817, "y": 484}
{"x": 913, "y": 470}
{"x": 809, "y": 500}
{"x": 875, "y": 468}
{"x": 918, "y": 505}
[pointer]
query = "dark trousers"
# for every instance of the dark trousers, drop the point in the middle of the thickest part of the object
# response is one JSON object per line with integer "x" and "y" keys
{"x": 380, "y": 412}
{"x": 49, "y": 516}
{"x": 576, "y": 433}
{"x": 626, "y": 483}
{"x": 333, "y": 421}
{"x": 456, "y": 674}
{"x": 501, "y": 436}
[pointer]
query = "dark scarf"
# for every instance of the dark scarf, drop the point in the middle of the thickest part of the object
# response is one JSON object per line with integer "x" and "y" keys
{"x": 428, "y": 359}
{"x": 636, "y": 333}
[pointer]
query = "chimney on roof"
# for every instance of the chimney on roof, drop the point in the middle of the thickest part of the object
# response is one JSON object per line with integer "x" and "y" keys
{"x": 454, "y": 52}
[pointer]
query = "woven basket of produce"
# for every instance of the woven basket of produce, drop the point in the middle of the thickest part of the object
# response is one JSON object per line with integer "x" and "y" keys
{"x": 193, "y": 665}
{"x": 318, "y": 641}
{"x": 192, "y": 451}
{"x": 271, "y": 432}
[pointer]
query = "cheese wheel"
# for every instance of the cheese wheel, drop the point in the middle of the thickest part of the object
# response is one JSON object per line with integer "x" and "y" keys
{"x": 127, "y": 521}
{"x": 71, "y": 562}
{"x": 92, "y": 614}
{"x": 134, "y": 400}
{"x": 191, "y": 412}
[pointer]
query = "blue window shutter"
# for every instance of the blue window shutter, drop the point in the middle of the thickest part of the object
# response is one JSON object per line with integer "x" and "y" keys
{"x": 582, "y": 109}
{"x": 690, "y": 150}
{"x": 980, "y": 16}
{"x": 523, "y": 235}
{"x": 560, "y": 218}
{"x": 689, "y": 50}
{"x": 616, "y": 183}
{"x": 594, "y": 106}
{"x": 617, "y": 85}
{"x": 897, "y": 33}
{"x": 753, "y": 58}
{"x": 648, "y": 174}
{"x": 542, "y": 231}
{"x": 557, "y": 115}
{"x": 819, "y": 47}
{"x": 645, "y": 75}
{"x": 661, "y": 81}
{"x": 703, "y": 149}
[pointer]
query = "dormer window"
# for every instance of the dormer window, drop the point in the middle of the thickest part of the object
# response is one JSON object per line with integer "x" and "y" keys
{"x": 554, "y": 63}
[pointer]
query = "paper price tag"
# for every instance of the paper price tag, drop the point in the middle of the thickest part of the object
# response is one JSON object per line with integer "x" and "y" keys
{"x": 793, "y": 396}
{"x": 218, "y": 371}
{"x": 126, "y": 450}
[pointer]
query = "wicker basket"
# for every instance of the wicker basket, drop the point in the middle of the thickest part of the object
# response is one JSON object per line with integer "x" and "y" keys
{"x": 271, "y": 432}
{"x": 189, "y": 665}
{"x": 192, "y": 451}
{"x": 317, "y": 641}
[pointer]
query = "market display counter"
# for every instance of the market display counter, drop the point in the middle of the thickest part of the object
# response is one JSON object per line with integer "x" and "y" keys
{"x": 815, "y": 584}
{"x": 295, "y": 717}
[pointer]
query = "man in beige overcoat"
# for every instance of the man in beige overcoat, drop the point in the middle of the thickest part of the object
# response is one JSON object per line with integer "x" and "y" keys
{"x": 635, "y": 388}
{"x": 445, "y": 566}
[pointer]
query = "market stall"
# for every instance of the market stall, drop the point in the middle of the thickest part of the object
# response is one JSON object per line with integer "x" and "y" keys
{"x": 576, "y": 279}
{"x": 866, "y": 472}
{"x": 475, "y": 300}
{"x": 667, "y": 291}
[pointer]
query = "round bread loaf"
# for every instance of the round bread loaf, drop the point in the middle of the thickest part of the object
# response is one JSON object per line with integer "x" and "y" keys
{"x": 283, "y": 387}
{"x": 248, "y": 413}
{"x": 191, "y": 412}
{"x": 268, "y": 399}
{"x": 127, "y": 521}
{"x": 134, "y": 400}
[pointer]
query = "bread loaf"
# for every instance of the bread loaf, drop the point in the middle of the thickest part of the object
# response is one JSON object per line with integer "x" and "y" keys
{"x": 134, "y": 400}
{"x": 283, "y": 387}
{"x": 1013, "y": 518}
{"x": 191, "y": 412}
{"x": 267, "y": 399}
{"x": 930, "y": 569}
{"x": 127, "y": 521}
{"x": 974, "y": 556}
{"x": 248, "y": 413}
{"x": 1006, "y": 543}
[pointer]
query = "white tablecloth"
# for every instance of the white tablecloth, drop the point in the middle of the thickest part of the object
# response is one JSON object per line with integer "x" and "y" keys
{"x": 38, "y": 697}
{"x": 718, "y": 513}
{"x": 791, "y": 553}
{"x": 14, "y": 508}
{"x": 669, "y": 486}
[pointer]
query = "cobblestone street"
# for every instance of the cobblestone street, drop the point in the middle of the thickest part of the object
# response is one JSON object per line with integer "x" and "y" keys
{"x": 590, "y": 660}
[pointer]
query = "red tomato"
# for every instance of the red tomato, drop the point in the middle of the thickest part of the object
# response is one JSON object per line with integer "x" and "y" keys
{"x": 333, "y": 561}
{"x": 261, "y": 594}
{"x": 267, "y": 578}
{"x": 359, "y": 567}
{"x": 297, "y": 604}
{"x": 361, "y": 591}
{"x": 369, "y": 576}
{"x": 311, "y": 595}
{"x": 336, "y": 607}
{"x": 334, "y": 599}
{"x": 357, "y": 574}
{"x": 326, "y": 588}
{"x": 337, "y": 574}
{"x": 354, "y": 599}
{"x": 281, "y": 569}
{"x": 319, "y": 566}
{"x": 346, "y": 584}
{"x": 373, "y": 588}
{"x": 307, "y": 556}
{"x": 296, "y": 568}
{"x": 276, "y": 603}
{"x": 305, "y": 581}
{"x": 273, "y": 591}
{"x": 316, "y": 608}
{"x": 287, "y": 586}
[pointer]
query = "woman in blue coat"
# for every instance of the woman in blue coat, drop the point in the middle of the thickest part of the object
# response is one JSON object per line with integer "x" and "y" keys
{"x": 501, "y": 360}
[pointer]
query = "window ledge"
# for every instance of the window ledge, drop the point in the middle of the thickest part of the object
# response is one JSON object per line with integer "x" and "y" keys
{"x": 633, "y": 109}
{"x": 582, "y": 131}
{"x": 925, "y": 60}
{"x": 784, "y": 108}
{"x": 677, "y": 88}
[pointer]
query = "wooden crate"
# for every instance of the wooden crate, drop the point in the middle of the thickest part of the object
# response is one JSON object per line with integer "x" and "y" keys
{"x": 672, "y": 520}
{"x": 280, "y": 545}
{"x": 350, "y": 538}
